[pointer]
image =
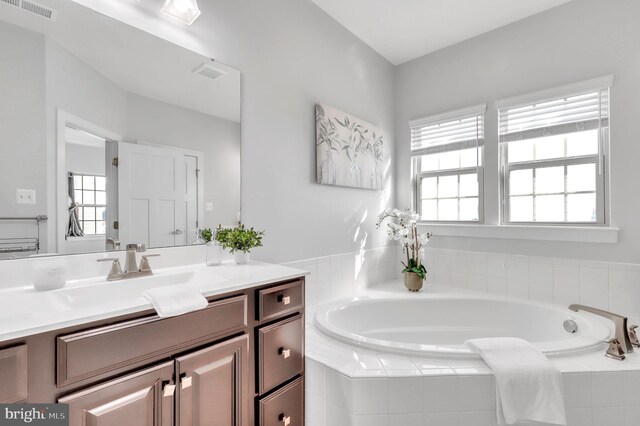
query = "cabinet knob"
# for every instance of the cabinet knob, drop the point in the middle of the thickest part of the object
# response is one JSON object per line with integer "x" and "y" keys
{"x": 185, "y": 383}
{"x": 286, "y": 420}
{"x": 169, "y": 390}
{"x": 285, "y": 300}
{"x": 286, "y": 353}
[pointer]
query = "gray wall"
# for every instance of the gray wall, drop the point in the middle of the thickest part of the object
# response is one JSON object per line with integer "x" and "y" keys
{"x": 219, "y": 141}
{"x": 83, "y": 159}
{"x": 23, "y": 161}
{"x": 292, "y": 55}
{"x": 580, "y": 40}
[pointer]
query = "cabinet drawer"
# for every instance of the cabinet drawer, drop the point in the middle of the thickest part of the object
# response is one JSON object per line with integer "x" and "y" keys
{"x": 284, "y": 407}
{"x": 13, "y": 374}
{"x": 279, "y": 300}
{"x": 91, "y": 353}
{"x": 281, "y": 352}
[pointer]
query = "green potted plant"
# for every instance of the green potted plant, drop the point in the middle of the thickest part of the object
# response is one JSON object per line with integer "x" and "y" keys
{"x": 403, "y": 227}
{"x": 239, "y": 241}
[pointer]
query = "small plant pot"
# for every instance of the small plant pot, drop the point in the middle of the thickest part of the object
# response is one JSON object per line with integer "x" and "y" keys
{"x": 241, "y": 257}
{"x": 413, "y": 281}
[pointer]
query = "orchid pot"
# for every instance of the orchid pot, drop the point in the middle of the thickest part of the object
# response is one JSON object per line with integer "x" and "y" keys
{"x": 412, "y": 281}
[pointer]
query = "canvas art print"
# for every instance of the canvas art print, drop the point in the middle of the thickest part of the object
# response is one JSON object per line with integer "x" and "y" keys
{"x": 349, "y": 150}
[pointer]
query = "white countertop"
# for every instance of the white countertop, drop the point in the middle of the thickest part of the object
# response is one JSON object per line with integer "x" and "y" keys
{"x": 24, "y": 311}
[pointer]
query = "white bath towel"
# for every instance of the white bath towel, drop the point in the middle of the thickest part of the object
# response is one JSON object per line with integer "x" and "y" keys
{"x": 175, "y": 300}
{"x": 528, "y": 386}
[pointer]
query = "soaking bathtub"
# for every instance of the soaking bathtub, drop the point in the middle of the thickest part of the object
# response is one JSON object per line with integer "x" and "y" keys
{"x": 438, "y": 324}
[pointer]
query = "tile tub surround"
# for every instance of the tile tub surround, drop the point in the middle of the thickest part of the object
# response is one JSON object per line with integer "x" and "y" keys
{"x": 342, "y": 275}
{"x": 606, "y": 285}
{"x": 348, "y": 385}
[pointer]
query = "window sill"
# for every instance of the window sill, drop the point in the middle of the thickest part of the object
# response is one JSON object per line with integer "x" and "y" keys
{"x": 579, "y": 234}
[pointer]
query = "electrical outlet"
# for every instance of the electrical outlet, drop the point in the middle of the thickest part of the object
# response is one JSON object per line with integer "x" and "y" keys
{"x": 25, "y": 196}
{"x": 208, "y": 207}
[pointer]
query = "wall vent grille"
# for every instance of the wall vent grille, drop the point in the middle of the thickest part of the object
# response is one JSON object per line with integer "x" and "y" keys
{"x": 33, "y": 7}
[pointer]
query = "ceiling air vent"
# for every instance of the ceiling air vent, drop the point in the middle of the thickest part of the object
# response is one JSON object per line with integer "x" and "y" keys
{"x": 38, "y": 9}
{"x": 209, "y": 71}
{"x": 33, "y": 7}
{"x": 15, "y": 3}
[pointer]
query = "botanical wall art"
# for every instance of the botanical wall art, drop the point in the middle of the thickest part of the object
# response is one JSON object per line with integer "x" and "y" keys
{"x": 349, "y": 150}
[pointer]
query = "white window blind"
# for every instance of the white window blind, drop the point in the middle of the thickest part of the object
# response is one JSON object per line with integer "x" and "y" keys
{"x": 447, "y": 132}
{"x": 586, "y": 111}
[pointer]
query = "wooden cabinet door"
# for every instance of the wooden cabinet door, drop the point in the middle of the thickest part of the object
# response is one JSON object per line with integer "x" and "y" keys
{"x": 144, "y": 398}
{"x": 13, "y": 374}
{"x": 214, "y": 385}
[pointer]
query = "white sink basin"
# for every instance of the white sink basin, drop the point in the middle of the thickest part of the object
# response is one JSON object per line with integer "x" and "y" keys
{"x": 115, "y": 291}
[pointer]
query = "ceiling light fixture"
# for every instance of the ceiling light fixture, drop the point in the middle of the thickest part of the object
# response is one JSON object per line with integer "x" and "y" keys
{"x": 185, "y": 10}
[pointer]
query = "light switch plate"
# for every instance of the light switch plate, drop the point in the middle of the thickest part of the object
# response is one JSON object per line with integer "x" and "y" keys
{"x": 25, "y": 196}
{"x": 208, "y": 207}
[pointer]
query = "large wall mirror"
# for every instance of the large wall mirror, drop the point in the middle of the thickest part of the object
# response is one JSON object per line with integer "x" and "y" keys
{"x": 110, "y": 135}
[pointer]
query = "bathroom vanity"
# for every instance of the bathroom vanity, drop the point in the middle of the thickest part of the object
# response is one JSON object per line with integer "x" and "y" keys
{"x": 239, "y": 361}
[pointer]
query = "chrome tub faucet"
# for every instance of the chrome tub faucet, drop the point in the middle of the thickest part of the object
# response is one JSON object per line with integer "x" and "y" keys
{"x": 625, "y": 338}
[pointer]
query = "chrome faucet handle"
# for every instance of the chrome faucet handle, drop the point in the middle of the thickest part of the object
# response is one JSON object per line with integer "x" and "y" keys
{"x": 109, "y": 259}
{"x": 116, "y": 268}
{"x": 633, "y": 336}
{"x": 144, "y": 262}
{"x": 615, "y": 350}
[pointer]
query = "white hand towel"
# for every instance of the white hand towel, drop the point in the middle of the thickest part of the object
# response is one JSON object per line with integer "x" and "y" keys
{"x": 528, "y": 385}
{"x": 175, "y": 300}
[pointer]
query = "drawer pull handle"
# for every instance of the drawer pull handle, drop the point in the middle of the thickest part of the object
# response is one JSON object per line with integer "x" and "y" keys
{"x": 285, "y": 300}
{"x": 169, "y": 390}
{"x": 286, "y": 353}
{"x": 185, "y": 383}
{"x": 286, "y": 420}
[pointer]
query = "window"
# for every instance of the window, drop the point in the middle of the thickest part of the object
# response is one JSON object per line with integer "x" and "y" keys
{"x": 446, "y": 152}
{"x": 91, "y": 195}
{"x": 552, "y": 158}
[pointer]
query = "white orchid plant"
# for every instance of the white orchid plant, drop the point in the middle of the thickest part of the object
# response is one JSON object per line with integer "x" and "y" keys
{"x": 403, "y": 227}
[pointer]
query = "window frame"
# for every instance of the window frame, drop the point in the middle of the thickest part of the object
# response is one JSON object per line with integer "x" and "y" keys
{"x": 507, "y": 168}
{"x": 94, "y": 205}
{"x": 417, "y": 175}
{"x": 599, "y": 159}
{"x": 417, "y": 198}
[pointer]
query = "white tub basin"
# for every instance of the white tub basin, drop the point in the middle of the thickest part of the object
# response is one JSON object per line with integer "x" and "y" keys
{"x": 438, "y": 325}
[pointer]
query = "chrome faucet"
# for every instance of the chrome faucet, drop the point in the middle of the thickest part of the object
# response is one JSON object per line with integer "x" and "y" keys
{"x": 131, "y": 268}
{"x": 621, "y": 343}
{"x": 131, "y": 263}
{"x": 114, "y": 243}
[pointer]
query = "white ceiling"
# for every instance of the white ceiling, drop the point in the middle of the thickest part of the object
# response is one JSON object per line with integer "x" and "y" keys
{"x": 136, "y": 61}
{"x": 403, "y": 30}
